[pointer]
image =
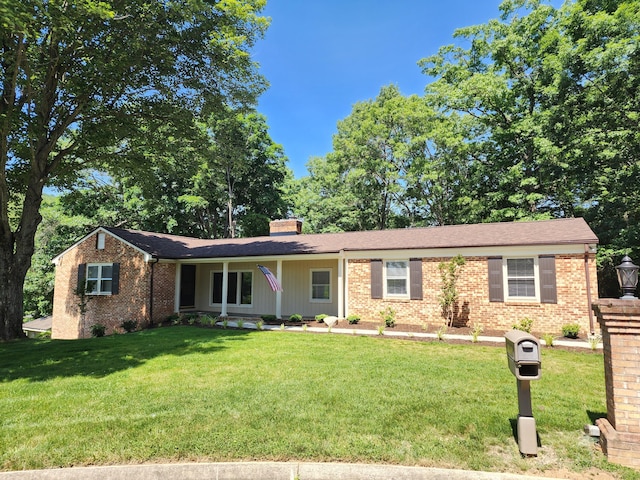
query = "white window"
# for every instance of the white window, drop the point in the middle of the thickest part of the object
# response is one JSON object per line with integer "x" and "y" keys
{"x": 101, "y": 240}
{"x": 321, "y": 285}
{"x": 239, "y": 288}
{"x": 99, "y": 279}
{"x": 396, "y": 278}
{"x": 521, "y": 278}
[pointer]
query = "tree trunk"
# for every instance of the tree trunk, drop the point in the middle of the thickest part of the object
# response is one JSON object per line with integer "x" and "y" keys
{"x": 16, "y": 250}
{"x": 12, "y": 275}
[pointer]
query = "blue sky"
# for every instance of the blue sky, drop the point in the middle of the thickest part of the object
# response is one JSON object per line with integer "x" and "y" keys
{"x": 323, "y": 56}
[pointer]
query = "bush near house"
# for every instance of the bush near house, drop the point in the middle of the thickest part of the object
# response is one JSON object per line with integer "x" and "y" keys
{"x": 571, "y": 330}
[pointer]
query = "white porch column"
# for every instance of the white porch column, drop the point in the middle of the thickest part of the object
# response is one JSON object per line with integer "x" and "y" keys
{"x": 176, "y": 288}
{"x": 341, "y": 284}
{"x": 279, "y": 293}
{"x": 225, "y": 288}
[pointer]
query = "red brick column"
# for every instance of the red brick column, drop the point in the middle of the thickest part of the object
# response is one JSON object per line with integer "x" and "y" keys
{"x": 620, "y": 432}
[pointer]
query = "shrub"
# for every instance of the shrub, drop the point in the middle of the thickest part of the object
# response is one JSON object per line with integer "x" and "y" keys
{"x": 548, "y": 339}
{"x": 571, "y": 330}
{"x": 449, "y": 273}
{"x": 240, "y": 323}
{"x": 441, "y": 332}
{"x": 476, "y": 331}
{"x": 525, "y": 325}
{"x": 389, "y": 317}
{"x": 98, "y": 330}
{"x": 191, "y": 318}
{"x": 129, "y": 325}
{"x": 259, "y": 325}
{"x": 296, "y": 317}
{"x": 594, "y": 340}
{"x": 174, "y": 319}
{"x": 353, "y": 319}
{"x": 268, "y": 318}
{"x": 320, "y": 317}
{"x": 208, "y": 320}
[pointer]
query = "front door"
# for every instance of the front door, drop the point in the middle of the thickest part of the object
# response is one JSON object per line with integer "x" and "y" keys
{"x": 188, "y": 286}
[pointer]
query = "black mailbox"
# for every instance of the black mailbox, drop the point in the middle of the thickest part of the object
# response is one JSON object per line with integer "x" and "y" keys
{"x": 523, "y": 355}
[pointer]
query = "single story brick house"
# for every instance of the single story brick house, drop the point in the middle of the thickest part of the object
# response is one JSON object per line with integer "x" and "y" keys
{"x": 543, "y": 270}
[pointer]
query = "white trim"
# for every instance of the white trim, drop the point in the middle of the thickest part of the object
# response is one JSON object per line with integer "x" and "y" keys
{"x": 147, "y": 256}
{"x": 176, "y": 289}
{"x": 523, "y": 251}
{"x": 342, "y": 286}
{"x": 279, "y": 292}
{"x": 385, "y": 293}
{"x": 536, "y": 281}
{"x": 321, "y": 270}
{"x": 99, "y": 279}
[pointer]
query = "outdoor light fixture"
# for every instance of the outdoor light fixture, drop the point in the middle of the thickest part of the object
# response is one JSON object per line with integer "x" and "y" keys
{"x": 628, "y": 278}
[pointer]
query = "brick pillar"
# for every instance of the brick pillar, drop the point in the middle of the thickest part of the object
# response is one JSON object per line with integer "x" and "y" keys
{"x": 620, "y": 432}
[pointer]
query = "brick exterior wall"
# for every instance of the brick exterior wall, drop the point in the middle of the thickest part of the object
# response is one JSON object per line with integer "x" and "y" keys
{"x": 474, "y": 305}
{"x": 132, "y": 301}
{"x": 620, "y": 431}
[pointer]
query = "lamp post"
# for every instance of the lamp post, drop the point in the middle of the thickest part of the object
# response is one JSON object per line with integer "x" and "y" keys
{"x": 628, "y": 278}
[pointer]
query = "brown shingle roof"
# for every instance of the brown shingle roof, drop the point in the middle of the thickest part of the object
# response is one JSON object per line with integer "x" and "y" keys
{"x": 547, "y": 232}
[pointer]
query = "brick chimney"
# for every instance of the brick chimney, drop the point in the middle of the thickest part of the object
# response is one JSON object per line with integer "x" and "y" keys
{"x": 287, "y": 226}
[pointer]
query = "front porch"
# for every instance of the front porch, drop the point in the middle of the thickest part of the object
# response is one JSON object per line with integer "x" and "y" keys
{"x": 311, "y": 285}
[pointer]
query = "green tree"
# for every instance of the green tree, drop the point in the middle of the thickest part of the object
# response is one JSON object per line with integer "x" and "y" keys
{"x": 76, "y": 76}
{"x": 387, "y": 168}
{"x": 253, "y": 170}
{"x": 506, "y": 81}
{"x": 227, "y": 171}
{"x": 601, "y": 107}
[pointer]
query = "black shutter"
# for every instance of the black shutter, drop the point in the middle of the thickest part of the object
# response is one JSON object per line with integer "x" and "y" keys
{"x": 415, "y": 278}
{"x": 115, "y": 279}
{"x": 376, "y": 279}
{"x": 496, "y": 289}
{"x": 547, "y": 268}
{"x": 82, "y": 271}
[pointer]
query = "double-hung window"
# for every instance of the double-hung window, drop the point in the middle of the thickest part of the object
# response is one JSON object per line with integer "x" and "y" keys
{"x": 99, "y": 279}
{"x": 521, "y": 278}
{"x": 396, "y": 278}
{"x": 239, "y": 288}
{"x": 321, "y": 285}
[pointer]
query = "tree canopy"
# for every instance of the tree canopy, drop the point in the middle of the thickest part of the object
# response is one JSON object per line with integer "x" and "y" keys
{"x": 532, "y": 115}
{"x": 78, "y": 78}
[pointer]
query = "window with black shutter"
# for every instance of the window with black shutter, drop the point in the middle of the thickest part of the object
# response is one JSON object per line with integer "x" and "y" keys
{"x": 547, "y": 267}
{"x": 376, "y": 278}
{"x": 496, "y": 288}
{"x": 415, "y": 278}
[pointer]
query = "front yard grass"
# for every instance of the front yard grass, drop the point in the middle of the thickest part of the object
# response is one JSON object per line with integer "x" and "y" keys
{"x": 194, "y": 394}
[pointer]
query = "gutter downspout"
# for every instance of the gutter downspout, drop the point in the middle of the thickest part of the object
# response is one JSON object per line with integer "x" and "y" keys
{"x": 153, "y": 264}
{"x": 588, "y": 278}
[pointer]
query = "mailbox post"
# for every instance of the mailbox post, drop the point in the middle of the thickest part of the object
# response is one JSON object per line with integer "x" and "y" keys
{"x": 523, "y": 356}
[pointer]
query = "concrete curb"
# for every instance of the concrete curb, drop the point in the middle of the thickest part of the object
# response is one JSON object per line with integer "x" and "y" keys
{"x": 259, "y": 471}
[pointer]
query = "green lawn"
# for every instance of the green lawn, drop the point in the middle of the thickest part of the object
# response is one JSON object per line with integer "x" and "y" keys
{"x": 195, "y": 394}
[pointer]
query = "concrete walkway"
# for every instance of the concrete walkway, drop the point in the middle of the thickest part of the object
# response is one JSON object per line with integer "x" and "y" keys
{"x": 258, "y": 471}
